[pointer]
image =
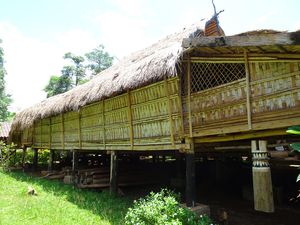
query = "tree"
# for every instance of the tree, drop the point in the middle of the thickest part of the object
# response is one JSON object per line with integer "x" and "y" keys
{"x": 99, "y": 60}
{"x": 5, "y": 99}
{"x": 58, "y": 85}
{"x": 76, "y": 71}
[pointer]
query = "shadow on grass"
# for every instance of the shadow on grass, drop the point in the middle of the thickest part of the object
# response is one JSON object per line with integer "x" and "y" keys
{"x": 108, "y": 207}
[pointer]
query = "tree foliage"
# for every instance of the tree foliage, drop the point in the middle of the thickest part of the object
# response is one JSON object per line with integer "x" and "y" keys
{"x": 99, "y": 60}
{"x": 5, "y": 99}
{"x": 76, "y": 72}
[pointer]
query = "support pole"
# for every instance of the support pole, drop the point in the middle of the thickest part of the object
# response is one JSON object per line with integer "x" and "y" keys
{"x": 262, "y": 181}
{"x": 190, "y": 190}
{"x": 74, "y": 161}
{"x": 24, "y": 156}
{"x": 35, "y": 159}
{"x": 51, "y": 159}
{"x": 113, "y": 173}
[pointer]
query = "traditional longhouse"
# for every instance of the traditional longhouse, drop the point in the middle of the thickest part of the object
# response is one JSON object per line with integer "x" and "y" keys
{"x": 183, "y": 92}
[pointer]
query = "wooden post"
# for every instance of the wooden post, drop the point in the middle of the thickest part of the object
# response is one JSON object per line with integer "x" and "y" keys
{"x": 262, "y": 182}
{"x": 113, "y": 173}
{"x": 35, "y": 159}
{"x": 190, "y": 190}
{"x": 74, "y": 161}
{"x": 51, "y": 159}
{"x": 24, "y": 156}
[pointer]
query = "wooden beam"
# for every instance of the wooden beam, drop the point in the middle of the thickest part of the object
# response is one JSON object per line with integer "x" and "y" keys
{"x": 167, "y": 93}
{"x": 241, "y": 136}
{"x": 113, "y": 173}
{"x": 131, "y": 135}
{"x": 248, "y": 90}
{"x": 243, "y": 41}
{"x": 189, "y": 80}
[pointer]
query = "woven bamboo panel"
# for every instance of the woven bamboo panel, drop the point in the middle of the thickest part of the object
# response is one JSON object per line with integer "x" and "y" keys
{"x": 213, "y": 107}
{"x": 45, "y": 133}
{"x": 56, "y": 132}
{"x": 275, "y": 89}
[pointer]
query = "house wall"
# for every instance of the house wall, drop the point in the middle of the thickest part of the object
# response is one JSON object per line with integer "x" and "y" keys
{"x": 274, "y": 101}
{"x": 147, "y": 118}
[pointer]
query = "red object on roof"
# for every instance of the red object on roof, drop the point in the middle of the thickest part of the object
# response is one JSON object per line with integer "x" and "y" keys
{"x": 4, "y": 129}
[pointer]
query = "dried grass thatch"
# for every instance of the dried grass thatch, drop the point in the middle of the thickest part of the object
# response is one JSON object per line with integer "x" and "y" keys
{"x": 146, "y": 66}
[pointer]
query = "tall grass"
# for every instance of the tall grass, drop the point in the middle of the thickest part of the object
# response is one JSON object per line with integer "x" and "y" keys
{"x": 55, "y": 203}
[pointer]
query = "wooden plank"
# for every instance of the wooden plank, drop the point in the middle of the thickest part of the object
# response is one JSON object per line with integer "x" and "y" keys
{"x": 169, "y": 111}
{"x": 131, "y": 134}
{"x": 189, "y": 80}
{"x": 248, "y": 90}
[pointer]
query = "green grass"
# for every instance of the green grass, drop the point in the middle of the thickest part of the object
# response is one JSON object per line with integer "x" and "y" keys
{"x": 56, "y": 203}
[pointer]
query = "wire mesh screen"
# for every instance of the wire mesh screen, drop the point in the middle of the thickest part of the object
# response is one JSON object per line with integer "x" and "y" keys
{"x": 209, "y": 75}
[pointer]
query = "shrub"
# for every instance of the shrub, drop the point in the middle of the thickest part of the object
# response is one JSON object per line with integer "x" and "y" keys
{"x": 162, "y": 208}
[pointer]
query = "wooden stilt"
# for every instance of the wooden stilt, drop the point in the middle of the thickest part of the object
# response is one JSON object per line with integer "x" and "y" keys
{"x": 35, "y": 159}
{"x": 262, "y": 182}
{"x": 24, "y": 156}
{"x": 74, "y": 161}
{"x": 113, "y": 173}
{"x": 190, "y": 190}
{"x": 51, "y": 159}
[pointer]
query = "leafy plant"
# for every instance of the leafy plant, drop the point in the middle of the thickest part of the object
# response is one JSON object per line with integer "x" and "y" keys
{"x": 162, "y": 208}
{"x": 295, "y": 146}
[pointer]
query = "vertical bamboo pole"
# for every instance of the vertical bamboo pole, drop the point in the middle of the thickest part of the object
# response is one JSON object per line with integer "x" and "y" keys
{"x": 41, "y": 136}
{"x": 262, "y": 181}
{"x": 131, "y": 135}
{"x": 248, "y": 90}
{"x": 62, "y": 132}
{"x": 180, "y": 105}
{"x": 50, "y": 134}
{"x": 113, "y": 173}
{"x": 79, "y": 130}
{"x": 167, "y": 93}
{"x": 103, "y": 119}
{"x": 189, "y": 80}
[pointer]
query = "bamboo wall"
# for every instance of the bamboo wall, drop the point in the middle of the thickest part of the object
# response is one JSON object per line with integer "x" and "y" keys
{"x": 147, "y": 118}
{"x": 268, "y": 97}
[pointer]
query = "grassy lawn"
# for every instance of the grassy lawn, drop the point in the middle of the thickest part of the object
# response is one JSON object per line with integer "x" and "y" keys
{"x": 56, "y": 203}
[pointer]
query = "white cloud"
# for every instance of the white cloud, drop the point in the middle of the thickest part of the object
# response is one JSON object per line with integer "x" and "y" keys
{"x": 30, "y": 61}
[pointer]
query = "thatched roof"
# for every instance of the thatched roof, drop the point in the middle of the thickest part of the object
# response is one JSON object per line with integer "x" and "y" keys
{"x": 138, "y": 69}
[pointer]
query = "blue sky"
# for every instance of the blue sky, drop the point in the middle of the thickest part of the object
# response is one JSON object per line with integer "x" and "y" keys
{"x": 36, "y": 33}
